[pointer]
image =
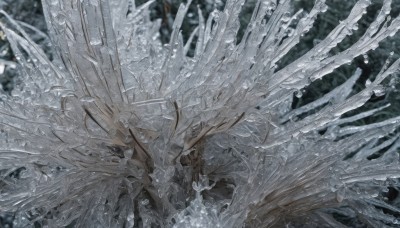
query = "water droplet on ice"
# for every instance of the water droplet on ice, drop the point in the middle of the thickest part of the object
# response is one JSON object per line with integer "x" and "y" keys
{"x": 365, "y": 56}
{"x": 324, "y": 8}
{"x": 60, "y": 19}
{"x": 289, "y": 32}
{"x": 379, "y": 92}
{"x": 368, "y": 83}
{"x": 286, "y": 17}
{"x": 298, "y": 93}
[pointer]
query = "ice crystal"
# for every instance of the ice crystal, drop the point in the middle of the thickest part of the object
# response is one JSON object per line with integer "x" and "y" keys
{"x": 120, "y": 130}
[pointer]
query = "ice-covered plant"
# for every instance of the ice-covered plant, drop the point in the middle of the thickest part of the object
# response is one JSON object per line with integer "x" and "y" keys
{"x": 121, "y": 131}
{"x": 23, "y": 11}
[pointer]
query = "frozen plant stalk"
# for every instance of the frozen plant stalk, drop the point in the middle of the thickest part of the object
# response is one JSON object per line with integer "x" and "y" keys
{"x": 122, "y": 131}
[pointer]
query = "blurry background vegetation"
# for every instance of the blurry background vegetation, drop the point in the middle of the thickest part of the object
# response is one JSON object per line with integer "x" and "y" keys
{"x": 30, "y": 14}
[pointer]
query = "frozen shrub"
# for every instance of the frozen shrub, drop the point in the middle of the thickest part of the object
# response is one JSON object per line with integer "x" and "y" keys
{"x": 29, "y": 15}
{"x": 122, "y": 131}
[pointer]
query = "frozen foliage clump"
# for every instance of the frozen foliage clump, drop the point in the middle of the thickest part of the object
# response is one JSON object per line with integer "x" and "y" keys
{"x": 23, "y": 11}
{"x": 122, "y": 131}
